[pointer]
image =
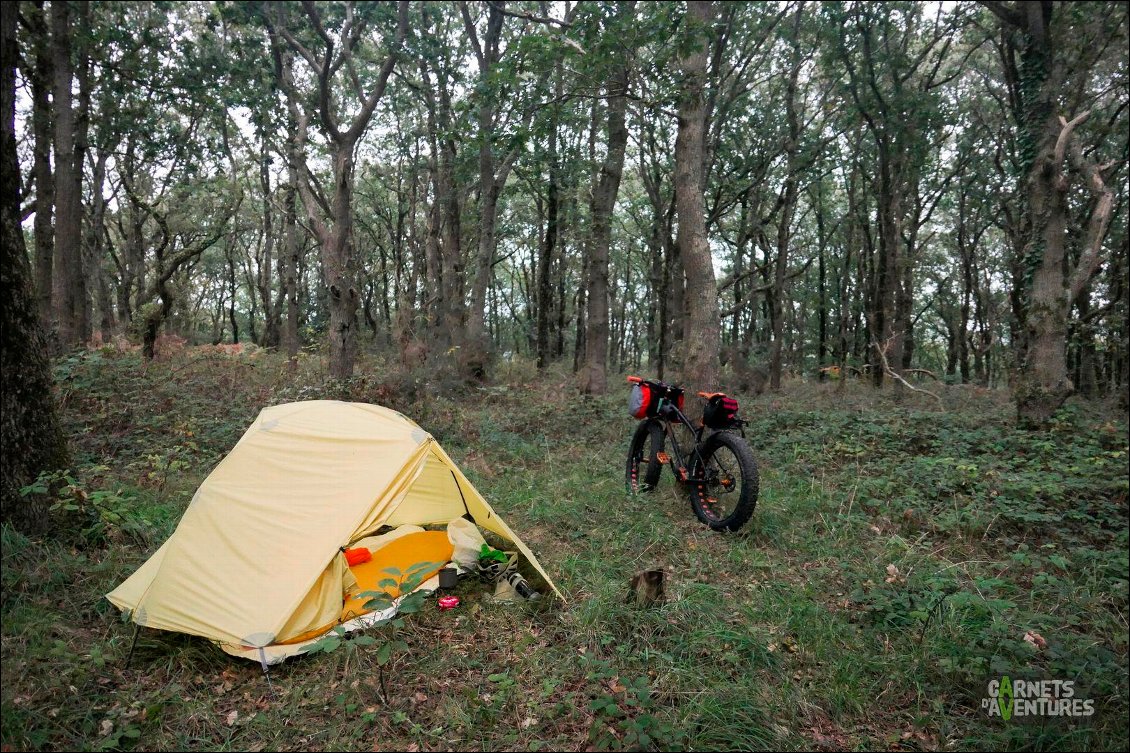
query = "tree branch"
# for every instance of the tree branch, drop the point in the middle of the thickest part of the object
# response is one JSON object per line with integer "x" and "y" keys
{"x": 469, "y": 25}
{"x": 881, "y": 350}
{"x": 1009, "y": 14}
{"x": 1065, "y": 135}
{"x": 528, "y": 16}
{"x": 362, "y": 119}
{"x": 1092, "y": 257}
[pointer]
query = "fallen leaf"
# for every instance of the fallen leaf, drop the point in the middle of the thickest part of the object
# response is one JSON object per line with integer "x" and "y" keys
{"x": 106, "y": 727}
{"x": 1036, "y": 640}
{"x": 892, "y": 573}
{"x": 421, "y": 697}
{"x": 528, "y": 722}
{"x": 232, "y": 717}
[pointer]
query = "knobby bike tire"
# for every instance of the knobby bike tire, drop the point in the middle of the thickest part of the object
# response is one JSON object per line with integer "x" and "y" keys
{"x": 706, "y": 482}
{"x": 643, "y": 468}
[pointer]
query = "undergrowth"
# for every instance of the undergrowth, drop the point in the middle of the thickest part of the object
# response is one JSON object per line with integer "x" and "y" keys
{"x": 900, "y": 557}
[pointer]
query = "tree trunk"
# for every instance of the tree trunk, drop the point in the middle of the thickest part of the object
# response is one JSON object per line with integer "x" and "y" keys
{"x": 702, "y": 336}
{"x": 288, "y": 274}
{"x": 96, "y": 235}
{"x": 822, "y": 282}
{"x": 335, "y": 237}
{"x": 787, "y": 207}
{"x": 476, "y": 347}
{"x": 887, "y": 276}
{"x": 42, "y": 117}
{"x": 338, "y": 264}
{"x": 68, "y": 177}
{"x": 545, "y": 255}
{"x": 266, "y": 265}
{"x": 442, "y": 253}
{"x": 80, "y": 292}
{"x": 232, "y": 291}
{"x": 594, "y": 378}
{"x": 31, "y": 436}
{"x": 1042, "y": 383}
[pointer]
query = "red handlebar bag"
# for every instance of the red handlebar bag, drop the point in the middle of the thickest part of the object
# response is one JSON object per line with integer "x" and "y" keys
{"x": 640, "y": 400}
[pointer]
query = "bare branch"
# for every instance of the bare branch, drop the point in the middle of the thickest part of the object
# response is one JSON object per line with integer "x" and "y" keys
{"x": 1092, "y": 257}
{"x": 882, "y": 351}
{"x": 1065, "y": 134}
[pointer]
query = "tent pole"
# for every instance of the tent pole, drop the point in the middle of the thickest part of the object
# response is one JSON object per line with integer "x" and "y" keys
{"x": 133, "y": 644}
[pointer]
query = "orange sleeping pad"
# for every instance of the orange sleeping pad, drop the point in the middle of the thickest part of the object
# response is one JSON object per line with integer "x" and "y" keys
{"x": 402, "y": 554}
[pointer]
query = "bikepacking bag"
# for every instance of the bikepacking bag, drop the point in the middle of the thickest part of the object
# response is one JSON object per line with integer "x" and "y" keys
{"x": 643, "y": 400}
{"x": 721, "y": 411}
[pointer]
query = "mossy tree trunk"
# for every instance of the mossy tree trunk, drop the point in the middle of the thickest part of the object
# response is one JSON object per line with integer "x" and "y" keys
{"x": 1048, "y": 283}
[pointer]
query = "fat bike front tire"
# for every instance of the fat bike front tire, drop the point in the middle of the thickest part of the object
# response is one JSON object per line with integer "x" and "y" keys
{"x": 722, "y": 482}
{"x": 644, "y": 466}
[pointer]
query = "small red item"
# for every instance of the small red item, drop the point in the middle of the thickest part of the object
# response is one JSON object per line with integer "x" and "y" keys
{"x": 357, "y": 556}
{"x": 448, "y": 602}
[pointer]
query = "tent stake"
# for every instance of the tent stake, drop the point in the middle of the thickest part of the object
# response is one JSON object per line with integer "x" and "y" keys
{"x": 133, "y": 644}
{"x": 267, "y": 671}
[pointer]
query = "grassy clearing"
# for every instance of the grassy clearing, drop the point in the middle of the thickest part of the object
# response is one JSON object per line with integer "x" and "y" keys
{"x": 898, "y": 557}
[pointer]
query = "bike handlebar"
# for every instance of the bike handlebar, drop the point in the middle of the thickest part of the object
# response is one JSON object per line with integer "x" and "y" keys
{"x": 703, "y": 395}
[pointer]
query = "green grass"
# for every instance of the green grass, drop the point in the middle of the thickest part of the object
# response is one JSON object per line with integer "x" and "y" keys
{"x": 897, "y": 558}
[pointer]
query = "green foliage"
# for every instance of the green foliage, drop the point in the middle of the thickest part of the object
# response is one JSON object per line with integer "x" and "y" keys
{"x": 780, "y": 637}
{"x": 382, "y": 637}
{"x": 80, "y": 513}
{"x": 625, "y": 717}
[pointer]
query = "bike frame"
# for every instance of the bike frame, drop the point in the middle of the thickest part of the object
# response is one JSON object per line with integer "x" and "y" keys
{"x": 667, "y": 414}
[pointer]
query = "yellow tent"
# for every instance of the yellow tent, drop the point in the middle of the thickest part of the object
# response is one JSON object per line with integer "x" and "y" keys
{"x": 256, "y": 562}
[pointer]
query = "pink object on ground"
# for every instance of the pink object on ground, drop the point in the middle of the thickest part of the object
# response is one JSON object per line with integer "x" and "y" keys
{"x": 448, "y": 602}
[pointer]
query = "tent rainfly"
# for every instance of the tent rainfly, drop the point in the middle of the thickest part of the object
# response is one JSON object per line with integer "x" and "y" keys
{"x": 257, "y": 564}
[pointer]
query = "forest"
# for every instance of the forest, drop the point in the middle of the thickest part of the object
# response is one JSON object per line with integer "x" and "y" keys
{"x": 896, "y": 231}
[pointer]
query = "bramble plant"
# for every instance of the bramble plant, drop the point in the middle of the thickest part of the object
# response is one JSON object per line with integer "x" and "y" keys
{"x": 410, "y": 600}
{"x": 79, "y": 510}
